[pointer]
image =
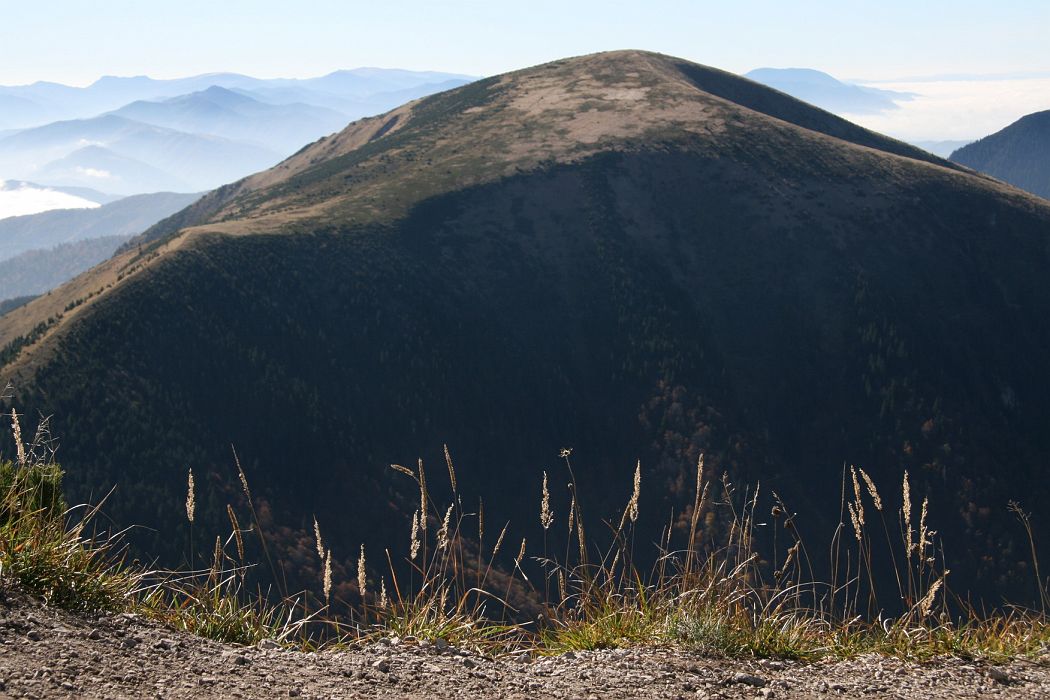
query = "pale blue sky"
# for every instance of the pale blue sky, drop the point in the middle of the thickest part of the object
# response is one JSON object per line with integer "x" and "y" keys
{"x": 76, "y": 41}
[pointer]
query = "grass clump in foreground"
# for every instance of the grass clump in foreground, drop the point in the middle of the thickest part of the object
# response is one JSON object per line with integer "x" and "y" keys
{"x": 47, "y": 550}
{"x": 44, "y": 546}
{"x": 715, "y": 593}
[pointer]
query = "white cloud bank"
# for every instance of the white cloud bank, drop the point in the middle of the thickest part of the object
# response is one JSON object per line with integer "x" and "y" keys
{"x": 957, "y": 109}
{"x": 22, "y": 198}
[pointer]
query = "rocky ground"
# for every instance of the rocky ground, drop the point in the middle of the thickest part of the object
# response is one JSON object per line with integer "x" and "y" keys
{"x": 45, "y": 653}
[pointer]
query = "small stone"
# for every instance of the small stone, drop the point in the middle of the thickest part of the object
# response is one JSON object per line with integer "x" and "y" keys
{"x": 749, "y": 679}
{"x": 267, "y": 645}
{"x": 999, "y": 675}
{"x": 94, "y": 634}
{"x": 382, "y": 665}
{"x": 129, "y": 642}
{"x": 766, "y": 694}
{"x": 163, "y": 644}
{"x": 467, "y": 663}
{"x": 293, "y": 693}
{"x": 67, "y": 685}
{"x": 823, "y": 687}
{"x": 33, "y": 636}
{"x": 441, "y": 644}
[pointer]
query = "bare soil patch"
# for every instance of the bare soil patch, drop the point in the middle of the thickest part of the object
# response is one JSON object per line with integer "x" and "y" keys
{"x": 46, "y": 653}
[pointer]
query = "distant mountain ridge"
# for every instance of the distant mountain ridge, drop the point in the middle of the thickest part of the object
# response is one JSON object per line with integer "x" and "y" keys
{"x": 139, "y": 135}
{"x": 124, "y": 217}
{"x": 37, "y": 271}
{"x": 824, "y": 91}
{"x": 25, "y": 106}
{"x": 235, "y": 115}
{"x": 1018, "y": 154}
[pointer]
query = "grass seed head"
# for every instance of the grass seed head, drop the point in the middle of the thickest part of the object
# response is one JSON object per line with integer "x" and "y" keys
{"x": 872, "y": 491}
{"x": 328, "y": 578}
{"x": 191, "y": 500}
{"x": 442, "y": 537}
{"x": 451, "y": 470}
{"x": 317, "y": 537}
{"x": 16, "y": 431}
{"x": 546, "y": 516}
{"x": 238, "y": 540}
{"x": 415, "y": 543}
{"x": 362, "y": 578}
{"x": 632, "y": 507}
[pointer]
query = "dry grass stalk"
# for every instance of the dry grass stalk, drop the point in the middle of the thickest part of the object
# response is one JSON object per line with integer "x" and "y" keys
{"x": 383, "y": 602}
{"x": 451, "y": 470}
{"x": 442, "y": 536}
{"x": 422, "y": 498}
{"x": 927, "y": 602}
{"x": 415, "y": 543}
{"x": 581, "y": 540}
{"x": 857, "y": 525}
{"x": 317, "y": 537}
{"x": 404, "y": 470}
{"x": 694, "y": 520}
{"x": 632, "y": 507}
{"x": 872, "y": 491}
{"x": 924, "y": 534}
{"x": 572, "y": 514}
{"x": 546, "y": 516}
{"x": 499, "y": 540}
{"x": 16, "y": 431}
{"x": 906, "y": 511}
{"x": 521, "y": 554}
{"x": 857, "y": 499}
{"x": 238, "y": 540}
{"x": 328, "y": 578}
{"x": 362, "y": 578}
{"x": 216, "y": 558}
{"x": 191, "y": 500}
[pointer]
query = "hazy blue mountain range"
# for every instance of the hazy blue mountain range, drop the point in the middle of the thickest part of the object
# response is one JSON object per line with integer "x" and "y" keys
{"x": 1018, "y": 154}
{"x": 138, "y": 135}
{"x": 124, "y": 156}
{"x": 123, "y": 217}
{"x": 941, "y": 148}
{"x": 32, "y": 105}
{"x": 282, "y": 128}
{"x": 826, "y": 92}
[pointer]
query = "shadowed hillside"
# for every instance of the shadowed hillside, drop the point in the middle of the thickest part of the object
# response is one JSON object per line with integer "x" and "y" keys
{"x": 1019, "y": 154}
{"x": 623, "y": 253}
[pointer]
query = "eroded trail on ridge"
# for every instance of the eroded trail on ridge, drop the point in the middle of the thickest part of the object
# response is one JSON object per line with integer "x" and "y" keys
{"x": 46, "y": 653}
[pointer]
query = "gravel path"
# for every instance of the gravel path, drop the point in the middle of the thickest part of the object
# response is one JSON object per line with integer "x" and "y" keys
{"x": 46, "y": 653}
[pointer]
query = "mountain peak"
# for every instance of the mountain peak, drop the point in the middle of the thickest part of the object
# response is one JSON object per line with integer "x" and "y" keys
{"x": 558, "y": 112}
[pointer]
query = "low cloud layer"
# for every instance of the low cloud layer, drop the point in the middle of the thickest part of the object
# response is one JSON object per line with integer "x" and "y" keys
{"x": 957, "y": 109}
{"x": 22, "y": 199}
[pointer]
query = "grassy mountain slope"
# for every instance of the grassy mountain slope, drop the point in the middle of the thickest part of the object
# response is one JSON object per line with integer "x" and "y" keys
{"x": 39, "y": 270}
{"x": 624, "y": 253}
{"x": 1019, "y": 154}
